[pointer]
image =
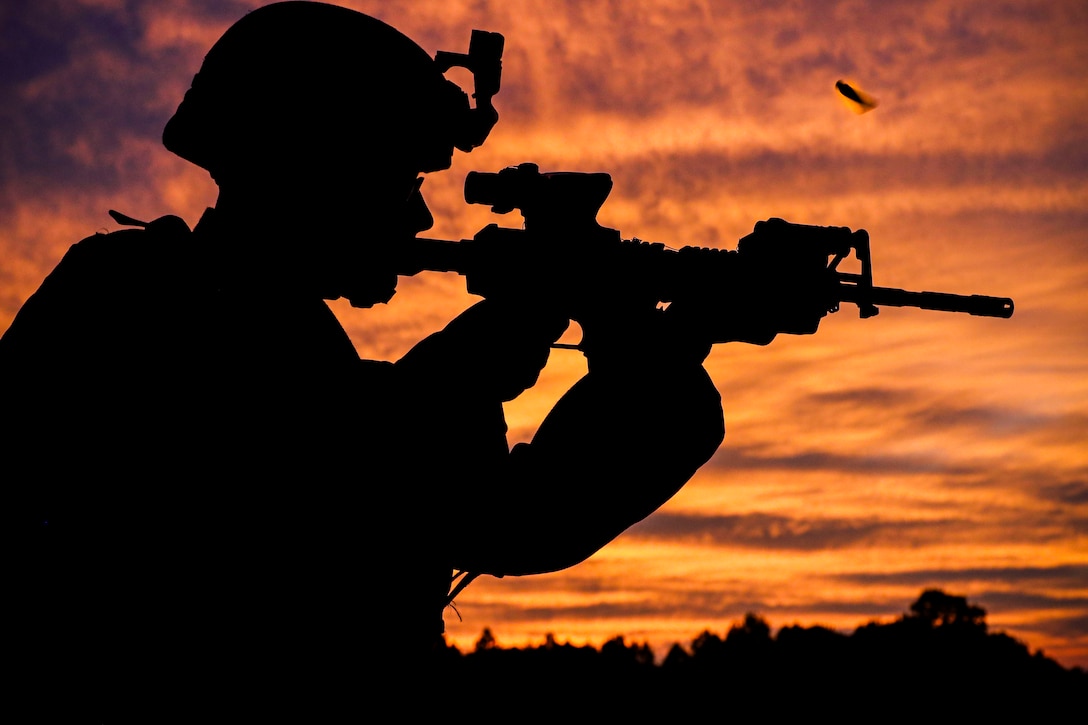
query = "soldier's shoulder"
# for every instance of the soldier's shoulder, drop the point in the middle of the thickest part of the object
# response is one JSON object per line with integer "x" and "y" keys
{"x": 138, "y": 241}
{"x": 97, "y": 276}
{"x": 168, "y": 227}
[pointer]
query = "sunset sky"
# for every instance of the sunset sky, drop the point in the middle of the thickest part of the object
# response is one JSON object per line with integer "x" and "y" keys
{"x": 862, "y": 464}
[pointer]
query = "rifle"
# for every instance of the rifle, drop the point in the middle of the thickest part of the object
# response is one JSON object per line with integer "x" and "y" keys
{"x": 563, "y": 251}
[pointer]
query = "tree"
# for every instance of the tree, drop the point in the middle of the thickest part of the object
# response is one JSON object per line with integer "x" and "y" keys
{"x": 934, "y": 608}
{"x": 486, "y": 641}
{"x": 754, "y": 630}
{"x": 618, "y": 653}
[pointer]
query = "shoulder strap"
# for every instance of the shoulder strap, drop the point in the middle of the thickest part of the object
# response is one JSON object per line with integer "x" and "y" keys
{"x": 169, "y": 224}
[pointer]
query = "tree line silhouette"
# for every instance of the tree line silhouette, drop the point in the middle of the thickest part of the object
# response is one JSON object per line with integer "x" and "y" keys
{"x": 938, "y": 658}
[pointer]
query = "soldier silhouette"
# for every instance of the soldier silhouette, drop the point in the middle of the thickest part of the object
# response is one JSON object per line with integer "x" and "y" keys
{"x": 215, "y": 499}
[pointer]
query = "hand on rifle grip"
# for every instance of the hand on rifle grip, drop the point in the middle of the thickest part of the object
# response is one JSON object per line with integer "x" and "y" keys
{"x": 784, "y": 276}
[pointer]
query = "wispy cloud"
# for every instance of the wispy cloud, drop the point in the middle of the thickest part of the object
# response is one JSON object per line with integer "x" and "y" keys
{"x": 776, "y": 532}
{"x": 1065, "y": 576}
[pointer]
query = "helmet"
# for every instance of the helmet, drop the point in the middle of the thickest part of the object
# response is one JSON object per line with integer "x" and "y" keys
{"x": 308, "y": 83}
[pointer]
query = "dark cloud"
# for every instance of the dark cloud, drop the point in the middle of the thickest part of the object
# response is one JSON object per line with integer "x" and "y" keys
{"x": 1067, "y": 576}
{"x": 985, "y": 420}
{"x": 697, "y": 602}
{"x": 541, "y": 616}
{"x": 36, "y": 41}
{"x": 1073, "y": 493}
{"x": 785, "y": 533}
{"x": 741, "y": 458}
{"x": 1068, "y": 628}
{"x": 1057, "y": 617}
{"x": 84, "y": 82}
{"x": 1019, "y": 600}
{"x": 517, "y": 605}
{"x": 969, "y": 37}
{"x": 907, "y": 412}
{"x": 872, "y": 608}
{"x": 868, "y": 397}
{"x": 813, "y": 171}
{"x": 636, "y": 61}
{"x": 638, "y": 607}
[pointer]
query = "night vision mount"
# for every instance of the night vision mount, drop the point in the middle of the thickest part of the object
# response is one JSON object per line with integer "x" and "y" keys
{"x": 484, "y": 61}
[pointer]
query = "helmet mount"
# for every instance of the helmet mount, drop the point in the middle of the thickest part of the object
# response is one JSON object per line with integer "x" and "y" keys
{"x": 484, "y": 61}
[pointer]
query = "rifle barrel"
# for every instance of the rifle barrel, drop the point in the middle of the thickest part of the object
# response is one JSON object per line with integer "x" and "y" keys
{"x": 979, "y": 305}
